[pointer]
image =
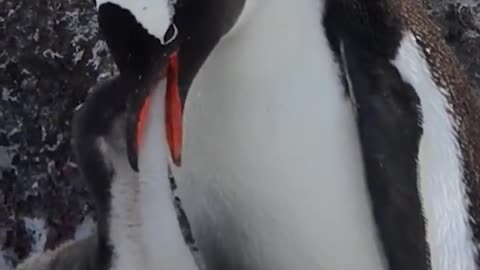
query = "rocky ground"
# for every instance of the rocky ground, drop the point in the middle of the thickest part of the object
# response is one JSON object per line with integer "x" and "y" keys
{"x": 50, "y": 55}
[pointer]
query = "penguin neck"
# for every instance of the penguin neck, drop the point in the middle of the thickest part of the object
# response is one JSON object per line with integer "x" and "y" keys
{"x": 144, "y": 228}
{"x": 265, "y": 17}
{"x": 260, "y": 45}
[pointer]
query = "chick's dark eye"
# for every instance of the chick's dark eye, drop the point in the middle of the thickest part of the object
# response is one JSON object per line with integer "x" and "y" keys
{"x": 170, "y": 35}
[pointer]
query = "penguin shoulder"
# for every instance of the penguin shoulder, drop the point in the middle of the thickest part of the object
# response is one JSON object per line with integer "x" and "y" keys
{"x": 75, "y": 254}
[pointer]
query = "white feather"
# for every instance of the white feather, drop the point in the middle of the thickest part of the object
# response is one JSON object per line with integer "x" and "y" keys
{"x": 125, "y": 220}
{"x": 165, "y": 244}
{"x": 144, "y": 227}
{"x": 272, "y": 173}
{"x": 441, "y": 186}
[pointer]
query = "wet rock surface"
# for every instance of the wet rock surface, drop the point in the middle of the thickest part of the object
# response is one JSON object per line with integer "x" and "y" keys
{"x": 460, "y": 21}
{"x": 50, "y": 55}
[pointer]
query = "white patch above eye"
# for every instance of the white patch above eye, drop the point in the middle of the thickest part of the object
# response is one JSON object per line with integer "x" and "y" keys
{"x": 154, "y": 15}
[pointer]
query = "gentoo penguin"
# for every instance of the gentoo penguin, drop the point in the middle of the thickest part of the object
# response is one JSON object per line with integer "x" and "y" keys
{"x": 138, "y": 226}
{"x": 417, "y": 117}
{"x": 271, "y": 172}
{"x": 277, "y": 91}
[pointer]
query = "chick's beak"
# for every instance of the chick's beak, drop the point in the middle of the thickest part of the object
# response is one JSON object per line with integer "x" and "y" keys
{"x": 173, "y": 114}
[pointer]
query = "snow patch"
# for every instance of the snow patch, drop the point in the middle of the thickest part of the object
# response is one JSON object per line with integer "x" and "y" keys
{"x": 4, "y": 264}
{"x": 467, "y": 3}
{"x": 49, "y": 53}
{"x": 96, "y": 59}
{"x": 6, "y": 94}
{"x": 53, "y": 148}
{"x": 107, "y": 75}
{"x": 85, "y": 229}
{"x": 5, "y": 157}
{"x": 78, "y": 56}
{"x": 39, "y": 231}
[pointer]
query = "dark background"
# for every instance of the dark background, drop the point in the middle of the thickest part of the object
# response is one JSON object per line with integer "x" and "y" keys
{"x": 50, "y": 56}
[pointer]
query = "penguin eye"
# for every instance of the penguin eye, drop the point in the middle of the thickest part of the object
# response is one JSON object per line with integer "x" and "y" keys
{"x": 170, "y": 35}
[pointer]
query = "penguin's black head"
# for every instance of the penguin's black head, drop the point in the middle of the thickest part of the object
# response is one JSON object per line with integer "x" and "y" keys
{"x": 153, "y": 39}
{"x": 142, "y": 33}
{"x": 142, "y": 39}
{"x": 139, "y": 39}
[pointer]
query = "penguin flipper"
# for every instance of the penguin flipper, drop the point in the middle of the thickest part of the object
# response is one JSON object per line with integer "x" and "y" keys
{"x": 389, "y": 128}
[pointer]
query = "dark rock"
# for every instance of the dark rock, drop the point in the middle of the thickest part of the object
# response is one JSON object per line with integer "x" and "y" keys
{"x": 50, "y": 55}
{"x": 460, "y": 20}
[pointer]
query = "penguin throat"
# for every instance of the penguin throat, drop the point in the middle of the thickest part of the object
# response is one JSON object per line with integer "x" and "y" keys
{"x": 173, "y": 111}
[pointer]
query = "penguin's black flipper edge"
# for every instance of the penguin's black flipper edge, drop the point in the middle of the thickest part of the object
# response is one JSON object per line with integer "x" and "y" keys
{"x": 389, "y": 125}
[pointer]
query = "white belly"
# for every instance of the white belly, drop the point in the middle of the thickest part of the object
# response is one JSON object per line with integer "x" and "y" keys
{"x": 272, "y": 174}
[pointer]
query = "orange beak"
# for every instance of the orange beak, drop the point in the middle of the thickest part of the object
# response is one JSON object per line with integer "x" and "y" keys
{"x": 173, "y": 113}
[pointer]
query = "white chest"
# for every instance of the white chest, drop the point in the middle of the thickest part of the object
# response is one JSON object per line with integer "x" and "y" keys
{"x": 272, "y": 174}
